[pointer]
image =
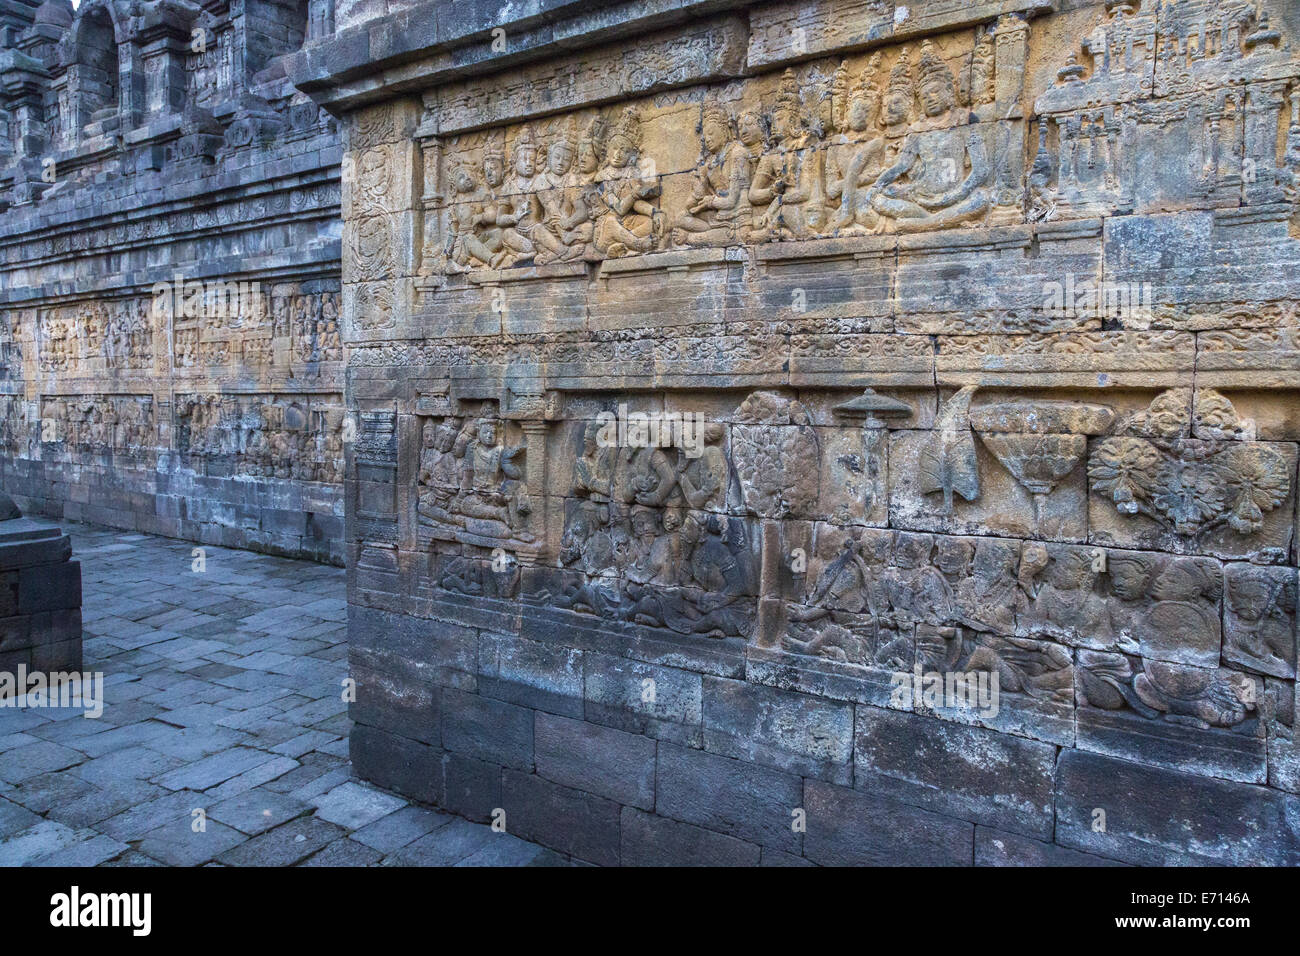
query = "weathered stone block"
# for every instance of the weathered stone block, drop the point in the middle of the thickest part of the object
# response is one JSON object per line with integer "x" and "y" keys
{"x": 730, "y": 796}
{"x": 488, "y": 730}
{"x": 470, "y": 787}
{"x": 567, "y": 820}
{"x": 599, "y": 760}
{"x": 650, "y": 840}
{"x": 850, "y": 828}
{"x": 49, "y": 587}
{"x": 1155, "y": 816}
{"x": 1233, "y": 753}
{"x": 999, "y": 848}
{"x": 396, "y": 704}
{"x": 794, "y": 732}
{"x": 641, "y": 698}
{"x": 991, "y": 350}
{"x": 396, "y": 763}
{"x": 966, "y": 772}
{"x": 433, "y": 651}
{"x": 531, "y": 674}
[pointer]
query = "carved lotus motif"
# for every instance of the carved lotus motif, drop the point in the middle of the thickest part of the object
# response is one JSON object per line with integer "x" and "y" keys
{"x": 1124, "y": 469}
{"x": 1195, "y": 488}
{"x": 1256, "y": 482}
{"x": 1191, "y": 485}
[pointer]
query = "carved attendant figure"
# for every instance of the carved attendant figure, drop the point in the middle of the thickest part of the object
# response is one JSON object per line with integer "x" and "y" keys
{"x": 719, "y": 206}
{"x": 496, "y": 491}
{"x": 629, "y": 221}
{"x": 781, "y": 187}
{"x": 497, "y": 217}
{"x": 467, "y": 243}
{"x": 439, "y": 474}
{"x": 855, "y": 159}
{"x": 555, "y": 197}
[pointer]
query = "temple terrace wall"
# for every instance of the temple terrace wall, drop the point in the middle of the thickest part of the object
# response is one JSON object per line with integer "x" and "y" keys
{"x": 826, "y": 432}
{"x": 810, "y": 431}
{"x": 170, "y": 356}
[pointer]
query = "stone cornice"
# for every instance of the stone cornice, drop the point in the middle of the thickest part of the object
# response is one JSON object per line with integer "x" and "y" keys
{"x": 436, "y": 43}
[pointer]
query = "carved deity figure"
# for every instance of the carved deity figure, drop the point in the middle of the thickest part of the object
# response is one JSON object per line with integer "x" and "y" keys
{"x": 919, "y": 594}
{"x": 718, "y": 212}
{"x": 941, "y": 176}
{"x": 855, "y": 158}
{"x": 988, "y": 596}
{"x": 594, "y": 471}
{"x": 643, "y": 476}
{"x": 495, "y": 490}
{"x": 518, "y": 211}
{"x": 846, "y": 615}
{"x": 656, "y": 556}
{"x": 588, "y": 543}
{"x": 722, "y": 605}
{"x": 1063, "y": 601}
{"x": 505, "y": 215}
{"x": 440, "y": 474}
{"x": 558, "y": 198}
{"x": 649, "y": 547}
{"x": 582, "y": 202}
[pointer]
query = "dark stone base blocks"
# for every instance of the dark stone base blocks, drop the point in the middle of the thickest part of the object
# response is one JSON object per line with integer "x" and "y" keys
{"x": 749, "y": 775}
{"x": 40, "y": 598}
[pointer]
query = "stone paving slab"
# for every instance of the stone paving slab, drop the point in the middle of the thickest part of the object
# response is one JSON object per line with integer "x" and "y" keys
{"x": 222, "y": 695}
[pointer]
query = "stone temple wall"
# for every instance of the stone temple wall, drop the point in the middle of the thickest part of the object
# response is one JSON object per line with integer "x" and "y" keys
{"x": 975, "y": 323}
{"x": 170, "y": 356}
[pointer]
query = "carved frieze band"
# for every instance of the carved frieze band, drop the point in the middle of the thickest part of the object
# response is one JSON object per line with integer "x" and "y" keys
{"x": 919, "y": 137}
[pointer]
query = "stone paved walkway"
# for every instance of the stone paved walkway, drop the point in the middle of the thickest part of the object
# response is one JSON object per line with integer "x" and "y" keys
{"x": 223, "y": 695}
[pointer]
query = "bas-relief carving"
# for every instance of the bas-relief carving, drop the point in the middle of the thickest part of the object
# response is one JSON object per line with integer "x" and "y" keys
{"x": 1040, "y": 443}
{"x": 171, "y": 161}
{"x": 97, "y": 336}
{"x": 73, "y": 426}
{"x": 907, "y": 139}
{"x": 299, "y": 437}
{"x": 854, "y": 148}
{"x": 1259, "y": 626}
{"x": 1187, "y": 465}
{"x": 119, "y": 336}
{"x": 15, "y": 430}
{"x": 1107, "y": 532}
{"x": 1203, "y": 80}
{"x": 80, "y": 346}
{"x": 649, "y": 537}
{"x": 472, "y": 484}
